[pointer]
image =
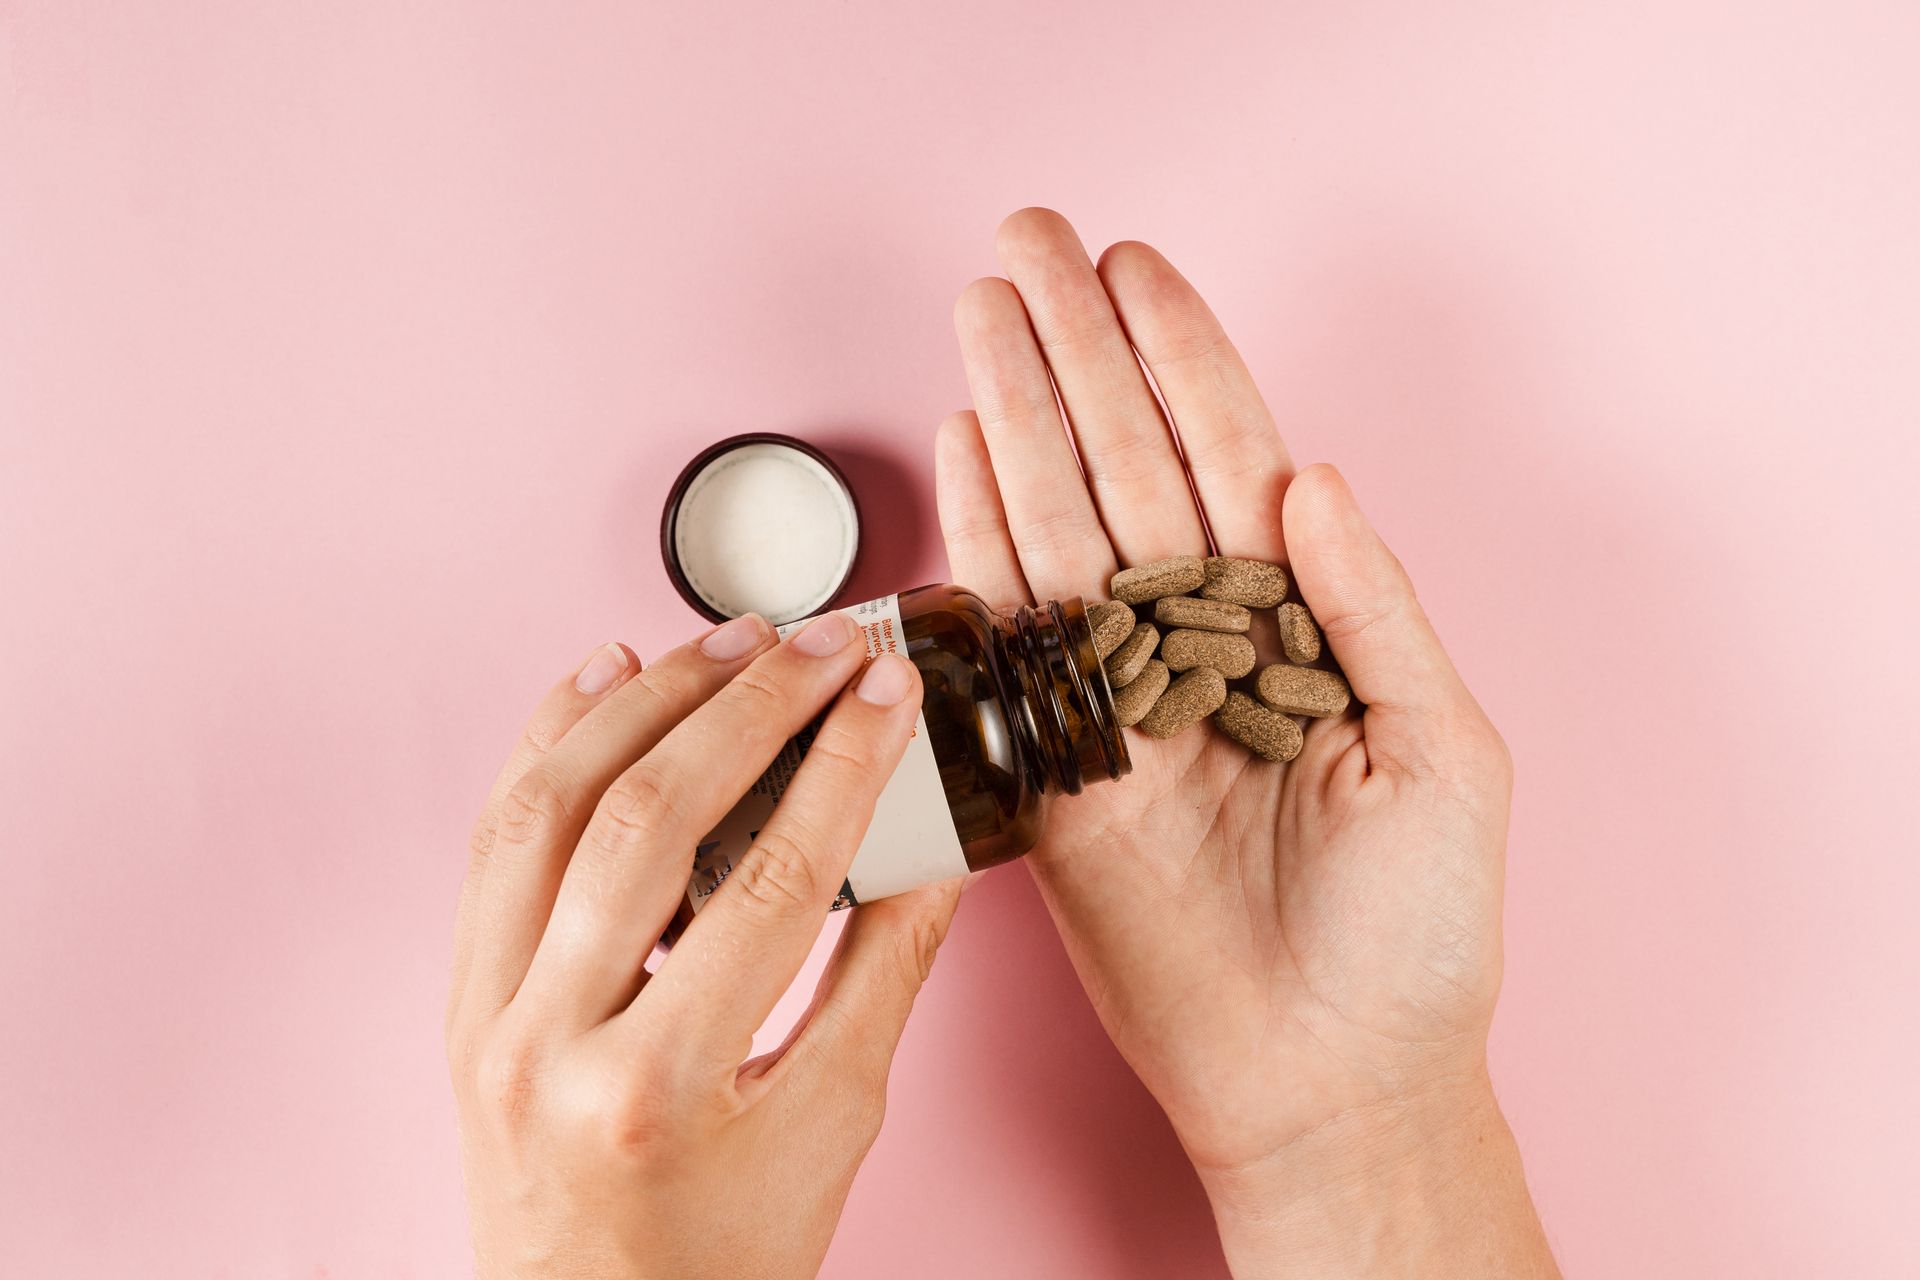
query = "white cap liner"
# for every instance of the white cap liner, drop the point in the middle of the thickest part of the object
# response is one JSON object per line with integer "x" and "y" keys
{"x": 764, "y": 528}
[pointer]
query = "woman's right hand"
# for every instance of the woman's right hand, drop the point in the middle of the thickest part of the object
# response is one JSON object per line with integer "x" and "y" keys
{"x": 610, "y": 1122}
{"x": 1299, "y": 960}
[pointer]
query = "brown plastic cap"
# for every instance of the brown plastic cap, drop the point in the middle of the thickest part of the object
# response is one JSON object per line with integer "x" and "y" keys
{"x": 794, "y": 573}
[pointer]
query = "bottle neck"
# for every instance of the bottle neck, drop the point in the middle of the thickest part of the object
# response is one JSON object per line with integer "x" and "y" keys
{"x": 1069, "y": 733}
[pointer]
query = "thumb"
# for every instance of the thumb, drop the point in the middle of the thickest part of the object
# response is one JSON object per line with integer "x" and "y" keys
{"x": 1416, "y": 703}
{"x": 883, "y": 959}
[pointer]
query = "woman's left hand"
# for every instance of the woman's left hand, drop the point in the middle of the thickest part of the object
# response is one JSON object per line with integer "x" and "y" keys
{"x": 611, "y": 1124}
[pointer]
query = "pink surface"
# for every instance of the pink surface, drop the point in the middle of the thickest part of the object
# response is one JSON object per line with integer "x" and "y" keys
{"x": 346, "y": 352}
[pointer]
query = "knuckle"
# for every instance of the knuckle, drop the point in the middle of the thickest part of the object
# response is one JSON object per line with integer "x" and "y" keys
{"x": 643, "y": 1120}
{"x": 458, "y": 1043}
{"x": 1015, "y": 405}
{"x": 1133, "y": 458}
{"x": 544, "y": 732}
{"x": 1355, "y": 621}
{"x": 855, "y": 1102}
{"x": 637, "y": 1131}
{"x": 508, "y": 1072}
{"x": 869, "y": 1114}
{"x": 755, "y": 692}
{"x": 650, "y": 695}
{"x": 535, "y": 809}
{"x": 1194, "y": 346}
{"x": 973, "y": 524}
{"x": 663, "y": 695}
{"x": 777, "y": 874}
{"x": 480, "y": 843}
{"x": 1074, "y": 322}
{"x": 634, "y": 807}
{"x": 841, "y": 750}
{"x": 1064, "y": 532}
{"x": 1241, "y": 444}
{"x": 919, "y": 944}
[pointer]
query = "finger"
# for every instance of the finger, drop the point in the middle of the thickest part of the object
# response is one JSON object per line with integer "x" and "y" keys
{"x": 980, "y": 553}
{"x": 603, "y": 671}
{"x": 1239, "y": 464}
{"x": 542, "y": 814}
{"x": 1415, "y": 701}
{"x": 598, "y": 675}
{"x": 1125, "y": 446}
{"x": 1063, "y": 549}
{"x": 631, "y": 869}
{"x": 741, "y": 953}
{"x": 883, "y": 960}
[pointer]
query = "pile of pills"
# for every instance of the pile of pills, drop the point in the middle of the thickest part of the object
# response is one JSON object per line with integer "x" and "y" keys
{"x": 1165, "y": 682}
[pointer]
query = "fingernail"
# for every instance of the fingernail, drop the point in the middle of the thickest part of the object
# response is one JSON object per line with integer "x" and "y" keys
{"x": 602, "y": 669}
{"x": 824, "y": 635}
{"x": 735, "y": 639}
{"x": 972, "y": 878}
{"x": 886, "y": 681}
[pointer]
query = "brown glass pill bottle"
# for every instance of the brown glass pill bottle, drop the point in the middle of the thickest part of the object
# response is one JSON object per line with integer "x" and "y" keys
{"x": 1016, "y": 709}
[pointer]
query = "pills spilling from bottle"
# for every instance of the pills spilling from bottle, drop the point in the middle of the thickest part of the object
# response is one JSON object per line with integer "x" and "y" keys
{"x": 1166, "y": 683}
{"x": 1112, "y": 622}
{"x": 1231, "y": 656}
{"x": 1174, "y": 576}
{"x": 1298, "y": 634}
{"x": 1130, "y": 658}
{"x": 1303, "y": 691}
{"x": 1267, "y": 734}
{"x": 1135, "y": 698}
{"x": 1201, "y": 615}
{"x": 1254, "y": 584}
{"x": 1188, "y": 700}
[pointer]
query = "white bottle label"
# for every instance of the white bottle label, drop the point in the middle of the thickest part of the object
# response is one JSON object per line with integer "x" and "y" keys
{"x": 911, "y": 841}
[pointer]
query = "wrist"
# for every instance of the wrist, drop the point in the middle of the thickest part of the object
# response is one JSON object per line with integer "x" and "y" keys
{"x": 1427, "y": 1183}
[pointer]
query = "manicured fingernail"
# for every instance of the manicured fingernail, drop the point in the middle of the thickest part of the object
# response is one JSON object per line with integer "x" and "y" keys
{"x": 602, "y": 669}
{"x": 824, "y": 635}
{"x": 886, "y": 681}
{"x": 735, "y": 639}
{"x": 972, "y": 878}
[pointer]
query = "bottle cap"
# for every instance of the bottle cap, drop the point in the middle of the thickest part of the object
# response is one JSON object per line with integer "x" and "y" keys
{"x": 760, "y": 523}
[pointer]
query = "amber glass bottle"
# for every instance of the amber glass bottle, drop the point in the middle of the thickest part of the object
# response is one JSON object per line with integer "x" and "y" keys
{"x": 1016, "y": 709}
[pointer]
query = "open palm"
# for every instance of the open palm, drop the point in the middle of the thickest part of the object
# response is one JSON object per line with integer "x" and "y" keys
{"x": 1272, "y": 947}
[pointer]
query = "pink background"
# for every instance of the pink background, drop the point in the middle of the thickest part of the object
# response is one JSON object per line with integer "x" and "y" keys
{"x": 346, "y": 351}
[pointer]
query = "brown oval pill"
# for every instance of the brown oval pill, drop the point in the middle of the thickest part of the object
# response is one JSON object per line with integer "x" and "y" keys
{"x": 1191, "y": 698}
{"x": 1299, "y": 635}
{"x": 1253, "y": 583}
{"x": 1205, "y": 615}
{"x": 1131, "y": 703}
{"x": 1111, "y": 622}
{"x": 1231, "y": 656}
{"x": 1130, "y": 657}
{"x": 1267, "y": 734}
{"x": 1174, "y": 576}
{"x": 1303, "y": 691}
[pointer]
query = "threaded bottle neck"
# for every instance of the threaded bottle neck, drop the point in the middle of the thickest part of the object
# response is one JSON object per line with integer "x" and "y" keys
{"x": 1071, "y": 734}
